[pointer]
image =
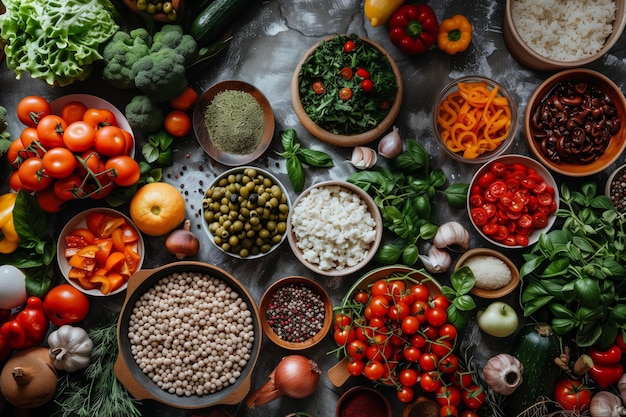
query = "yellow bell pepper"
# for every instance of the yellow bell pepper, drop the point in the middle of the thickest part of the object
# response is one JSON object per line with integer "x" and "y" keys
{"x": 9, "y": 237}
{"x": 378, "y": 12}
{"x": 455, "y": 34}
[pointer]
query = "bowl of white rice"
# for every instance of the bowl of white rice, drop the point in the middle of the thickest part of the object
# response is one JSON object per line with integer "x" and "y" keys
{"x": 551, "y": 35}
{"x": 496, "y": 275}
{"x": 334, "y": 228}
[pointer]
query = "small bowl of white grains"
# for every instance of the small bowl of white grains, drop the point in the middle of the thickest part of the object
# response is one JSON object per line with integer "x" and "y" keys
{"x": 189, "y": 336}
{"x": 296, "y": 313}
{"x": 334, "y": 228}
{"x": 496, "y": 275}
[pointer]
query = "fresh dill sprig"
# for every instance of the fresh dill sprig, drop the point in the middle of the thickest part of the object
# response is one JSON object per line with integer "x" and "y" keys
{"x": 96, "y": 391}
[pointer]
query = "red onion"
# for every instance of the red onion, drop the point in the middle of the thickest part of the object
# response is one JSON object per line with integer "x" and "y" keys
{"x": 295, "y": 376}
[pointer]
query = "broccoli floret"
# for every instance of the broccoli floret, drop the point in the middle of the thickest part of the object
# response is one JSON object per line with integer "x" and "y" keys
{"x": 121, "y": 53}
{"x": 5, "y": 136}
{"x": 160, "y": 75}
{"x": 172, "y": 36}
{"x": 144, "y": 114}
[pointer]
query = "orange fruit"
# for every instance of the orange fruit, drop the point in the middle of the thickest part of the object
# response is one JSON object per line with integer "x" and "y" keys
{"x": 157, "y": 208}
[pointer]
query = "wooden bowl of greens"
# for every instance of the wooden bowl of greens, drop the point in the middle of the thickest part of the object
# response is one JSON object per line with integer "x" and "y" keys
{"x": 233, "y": 122}
{"x": 346, "y": 90}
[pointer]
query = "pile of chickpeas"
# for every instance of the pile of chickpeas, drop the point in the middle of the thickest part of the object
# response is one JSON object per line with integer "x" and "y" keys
{"x": 246, "y": 213}
{"x": 191, "y": 334}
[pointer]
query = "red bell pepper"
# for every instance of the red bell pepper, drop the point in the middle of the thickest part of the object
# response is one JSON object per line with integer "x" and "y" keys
{"x": 413, "y": 28}
{"x": 26, "y": 328}
{"x": 607, "y": 367}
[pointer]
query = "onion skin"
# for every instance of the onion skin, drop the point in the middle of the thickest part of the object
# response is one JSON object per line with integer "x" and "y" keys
{"x": 183, "y": 242}
{"x": 295, "y": 376}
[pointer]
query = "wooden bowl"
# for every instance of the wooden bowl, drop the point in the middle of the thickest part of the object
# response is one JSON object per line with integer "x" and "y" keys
{"x": 345, "y": 140}
{"x": 372, "y": 209}
{"x": 618, "y": 141}
{"x": 376, "y": 400}
{"x": 495, "y": 293}
{"x": 310, "y": 284}
{"x": 202, "y": 134}
{"x": 619, "y": 172}
{"x": 528, "y": 57}
{"x": 138, "y": 384}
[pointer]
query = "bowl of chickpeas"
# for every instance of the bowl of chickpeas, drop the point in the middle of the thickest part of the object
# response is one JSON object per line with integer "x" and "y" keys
{"x": 244, "y": 212}
{"x": 189, "y": 336}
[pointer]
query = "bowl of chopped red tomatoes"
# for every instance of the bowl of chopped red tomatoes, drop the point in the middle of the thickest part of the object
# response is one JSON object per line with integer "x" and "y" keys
{"x": 474, "y": 119}
{"x": 512, "y": 200}
{"x": 346, "y": 90}
{"x": 98, "y": 250}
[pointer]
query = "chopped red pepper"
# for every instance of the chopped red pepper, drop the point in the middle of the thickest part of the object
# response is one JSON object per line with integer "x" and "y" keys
{"x": 607, "y": 368}
{"x": 413, "y": 28}
{"x": 27, "y": 328}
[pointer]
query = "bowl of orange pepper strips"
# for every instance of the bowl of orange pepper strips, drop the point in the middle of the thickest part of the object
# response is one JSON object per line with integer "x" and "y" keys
{"x": 474, "y": 119}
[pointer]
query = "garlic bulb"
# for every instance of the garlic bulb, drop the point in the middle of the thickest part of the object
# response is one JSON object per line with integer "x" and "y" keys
{"x": 391, "y": 144}
{"x": 363, "y": 157}
{"x": 438, "y": 260}
{"x": 503, "y": 373}
{"x": 452, "y": 235}
{"x": 70, "y": 348}
{"x": 606, "y": 404}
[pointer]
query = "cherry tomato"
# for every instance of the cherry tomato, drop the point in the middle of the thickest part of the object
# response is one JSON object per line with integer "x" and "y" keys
{"x": 79, "y": 136}
{"x": 185, "y": 101}
{"x": 64, "y": 304}
{"x": 48, "y": 200}
{"x": 28, "y": 135}
{"x": 398, "y": 311}
{"x": 318, "y": 87}
{"x": 379, "y": 305}
{"x": 448, "y": 332}
{"x": 99, "y": 118}
{"x": 448, "y": 395}
{"x": 468, "y": 413}
{"x": 408, "y": 377}
{"x": 356, "y": 367}
{"x": 419, "y": 309}
{"x": 123, "y": 170}
{"x": 15, "y": 183}
{"x": 411, "y": 353}
{"x": 436, "y": 316}
{"x": 31, "y": 109}
{"x": 421, "y": 292}
{"x": 344, "y": 335}
{"x": 448, "y": 411}
{"x": 16, "y": 152}
{"x": 356, "y": 349}
{"x": 361, "y": 297}
{"x": 474, "y": 397}
{"x": 345, "y": 94}
{"x": 73, "y": 111}
{"x": 479, "y": 216}
{"x": 69, "y": 187}
{"x": 405, "y": 394}
{"x": 342, "y": 320}
{"x": 367, "y": 85}
{"x": 363, "y": 73}
{"x": 349, "y": 46}
{"x": 428, "y": 361}
{"x": 430, "y": 381}
{"x": 410, "y": 325}
{"x": 572, "y": 394}
{"x": 32, "y": 176}
{"x": 380, "y": 287}
{"x": 374, "y": 370}
{"x": 449, "y": 364}
{"x": 498, "y": 169}
{"x": 50, "y": 131}
{"x": 177, "y": 123}
{"x": 346, "y": 73}
{"x": 110, "y": 141}
{"x": 58, "y": 162}
{"x": 93, "y": 161}
{"x": 441, "y": 301}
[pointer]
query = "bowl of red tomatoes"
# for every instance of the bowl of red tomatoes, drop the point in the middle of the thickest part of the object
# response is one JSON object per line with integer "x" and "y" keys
{"x": 98, "y": 250}
{"x": 512, "y": 200}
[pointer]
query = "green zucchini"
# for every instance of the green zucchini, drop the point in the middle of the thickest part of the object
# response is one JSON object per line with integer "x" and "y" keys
{"x": 536, "y": 347}
{"x": 214, "y": 19}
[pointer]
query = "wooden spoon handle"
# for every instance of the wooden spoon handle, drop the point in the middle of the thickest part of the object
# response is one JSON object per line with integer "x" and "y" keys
{"x": 339, "y": 374}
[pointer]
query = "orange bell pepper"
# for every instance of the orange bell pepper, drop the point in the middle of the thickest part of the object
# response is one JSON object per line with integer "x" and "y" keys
{"x": 454, "y": 35}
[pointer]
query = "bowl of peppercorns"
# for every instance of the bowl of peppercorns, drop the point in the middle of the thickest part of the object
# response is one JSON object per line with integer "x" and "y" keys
{"x": 615, "y": 188}
{"x": 296, "y": 312}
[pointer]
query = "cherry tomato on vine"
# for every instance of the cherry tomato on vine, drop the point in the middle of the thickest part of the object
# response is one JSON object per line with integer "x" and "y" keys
{"x": 428, "y": 361}
{"x": 15, "y": 183}
{"x": 468, "y": 413}
{"x": 421, "y": 292}
{"x": 73, "y": 111}
{"x": 177, "y": 123}
{"x": 441, "y": 301}
{"x": 380, "y": 287}
{"x": 448, "y": 395}
{"x": 408, "y": 377}
{"x": 405, "y": 394}
{"x": 123, "y": 170}
{"x": 69, "y": 187}
{"x": 28, "y": 135}
{"x": 15, "y": 152}
{"x": 436, "y": 316}
{"x": 58, "y": 162}
{"x": 410, "y": 325}
{"x": 474, "y": 397}
{"x": 361, "y": 297}
{"x": 342, "y": 320}
{"x": 99, "y": 118}
{"x": 449, "y": 364}
{"x": 345, "y": 94}
{"x": 79, "y": 136}
{"x": 572, "y": 394}
{"x": 356, "y": 367}
{"x": 32, "y": 176}
{"x": 49, "y": 201}
{"x": 31, "y": 109}
{"x": 356, "y": 349}
{"x": 50, "y": 131}
{"x": 411, "y": 353}
{"x": 185, "y": 101}
{"x": 430, "y": 381}
{"x": 398, "y": 311}
{"x": 448, "y": 411}
{"x": 379, "y": 305}
{"x": 110, "y": 141}
{"x": 448, "y": 331}
{"x": 344, "y": 335}
{"x": 374, "y": 370}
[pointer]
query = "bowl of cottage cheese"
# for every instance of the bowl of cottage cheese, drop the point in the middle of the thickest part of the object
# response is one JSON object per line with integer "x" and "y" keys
{"x": 334, "y": 228}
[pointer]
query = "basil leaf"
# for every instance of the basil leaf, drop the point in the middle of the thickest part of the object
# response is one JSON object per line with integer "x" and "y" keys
{"x": 29, "y": 219}
{"x": 315, "y": 158}
{"x": 456, "y": 194}
{"x": 288, "y": 139}
{"x": 295, "y": 172}
{"x": 410, "y": 254}
{"x": 389, "y": 253}
{"x": 463, "y": 280}
{"x": 414, "y": 159}
{"x": 465, "y": 303}
{"x": 38, "y": 281}
{"x": 437, "y": 178}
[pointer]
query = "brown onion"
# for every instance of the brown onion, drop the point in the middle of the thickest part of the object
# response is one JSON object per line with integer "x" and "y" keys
{"x": 182, "y": 242}
{"x": 295, "y": 376}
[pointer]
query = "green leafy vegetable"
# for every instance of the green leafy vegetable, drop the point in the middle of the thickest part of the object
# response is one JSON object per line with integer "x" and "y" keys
{"x": 462, "y": 304}
{"x": 576, "y": 274}
{"x": 296, "y": 156}
{"x": 405, "y": 195}
{"x": 55, "y": 40}
{"x": 362, "y": 112}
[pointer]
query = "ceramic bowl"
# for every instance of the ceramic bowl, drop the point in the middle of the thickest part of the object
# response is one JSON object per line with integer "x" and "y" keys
{"x": 363, "y": 398}
{"x": 493, "y": 293}
{"x": 617, "y": 142}
{"x": 139, "y": 385}
{"x": 345, "y": 139}
{"x": 285, "y": 284}
{"x": 277, "y": 214}
{"x": 439, "y": 115}
{"x": 528, "y": 57}
{"x": 159, "y": 16}
{"x": 533, "y": 186}
{"x": 202, "y": 133}
{"x": 330, "y": 220}
{"x": 80, "y": 222}
{"x": 95, "y": 102}
{"x": 619, "y": 201}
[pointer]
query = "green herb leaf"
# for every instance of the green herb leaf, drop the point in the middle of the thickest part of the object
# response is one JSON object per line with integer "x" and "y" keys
{"x": 464, "y": 303}
{"x": 28, "y": 218}
{"x": 410, "y": 254}
{"x": 315, "y": 158}
{"x": 295, "y": 172}
{"x": 413, "y": 159}
{"x": 288, "y": 139}
{"x": 389, "y": 253}
{"x": 456, "y": 194}
{"x": 463, "y": 280}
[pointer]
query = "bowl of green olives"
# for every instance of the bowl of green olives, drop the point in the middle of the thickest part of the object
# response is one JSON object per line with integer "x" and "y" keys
{"x": 244, "y": 212}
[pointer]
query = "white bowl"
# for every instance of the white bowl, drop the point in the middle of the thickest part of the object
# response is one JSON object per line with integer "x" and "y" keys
{"x": 80, "y": 221}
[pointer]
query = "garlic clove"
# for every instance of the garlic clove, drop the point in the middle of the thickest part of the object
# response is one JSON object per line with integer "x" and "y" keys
{"x": 391, "y": 144}
{"x": 363, "y": 157}
{"x": 437, "y": 261}
{"x": 452, "y": 235}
